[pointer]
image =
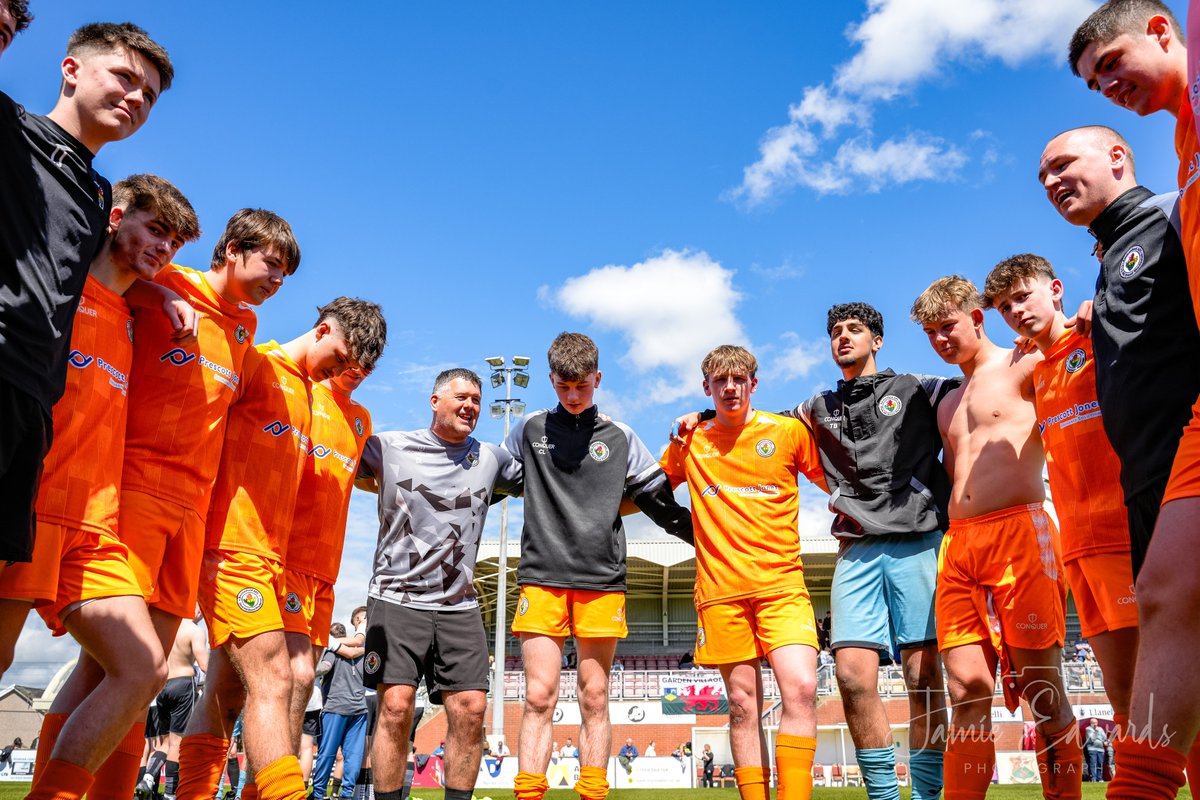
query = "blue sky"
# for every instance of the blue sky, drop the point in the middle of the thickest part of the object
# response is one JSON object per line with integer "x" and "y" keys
{"x": 665, "y": 177}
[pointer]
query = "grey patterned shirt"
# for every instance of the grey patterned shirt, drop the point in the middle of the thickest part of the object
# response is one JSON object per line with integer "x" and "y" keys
{"x": 433, "y": 501}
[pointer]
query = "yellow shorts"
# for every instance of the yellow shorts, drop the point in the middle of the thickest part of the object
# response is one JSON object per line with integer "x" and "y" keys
{"x": 1185, "y": 472}
{"x": 308, "y": 606}
{"x": 1001, "y": 580}
{"x": 166, "y": 545}
{"x": 241, "y": 595}
{"x": 750, "y": 627}
{"x": 562, "y": 612}
{"x": 1102, "y": 585}
{"x": 70, "y": 565}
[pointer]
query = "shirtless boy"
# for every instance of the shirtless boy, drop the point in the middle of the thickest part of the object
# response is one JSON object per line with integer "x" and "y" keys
{"x": 1001, "y": 588}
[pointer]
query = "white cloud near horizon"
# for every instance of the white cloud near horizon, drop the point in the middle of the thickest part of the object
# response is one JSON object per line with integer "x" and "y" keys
{"x": 672, "y": 308}
{"x": 901, "y": 44}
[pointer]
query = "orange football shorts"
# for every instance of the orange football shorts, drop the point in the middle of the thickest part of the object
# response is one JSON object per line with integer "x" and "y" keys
{"x": 1102, "y": 585}
{"x": 308, "y": 606}
{"x": 748, "y": 628}
{"x": 562, "y": 612}
{"x": 241, "y": 595}
{"x": 166, "y": 545}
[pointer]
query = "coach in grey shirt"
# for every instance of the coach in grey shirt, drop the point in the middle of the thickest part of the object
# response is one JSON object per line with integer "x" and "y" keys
{"x": 423, "y": 620}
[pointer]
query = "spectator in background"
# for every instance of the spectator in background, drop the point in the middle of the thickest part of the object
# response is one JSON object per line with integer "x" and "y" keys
{"x": 570, "y": 750}
{"x": 650, "y": 753}
{"x": 555, "y": 753}
{"x": 344, "y": 717}
{"x": 440, "y": 750}
{"x": 1095, "y": 746}
{"x": 707, "y": 763}
{"x": 627, "y": 755}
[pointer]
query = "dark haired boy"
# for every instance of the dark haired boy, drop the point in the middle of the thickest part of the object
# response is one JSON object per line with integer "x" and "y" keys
{"x": 1133, "y": 52}
{"x": 580, "y": 465}
{"x": 14, "y": 18}
{"x": 242, "y": 593}
{"x": 54, "y": 211}
{"x": 879, "y": 443}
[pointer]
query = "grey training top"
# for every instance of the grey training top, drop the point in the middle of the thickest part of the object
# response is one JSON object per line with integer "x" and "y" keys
{"x": 433, "y": 501}
{"x": 344, "y": 692}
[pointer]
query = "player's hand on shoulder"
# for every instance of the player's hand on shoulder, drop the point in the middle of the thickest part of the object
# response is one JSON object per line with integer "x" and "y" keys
{"x": 1082, "y": 321}
{"x": 684, "y": 425}
{"x": 184, "y": 319}
{"x": 1022, "y": 345}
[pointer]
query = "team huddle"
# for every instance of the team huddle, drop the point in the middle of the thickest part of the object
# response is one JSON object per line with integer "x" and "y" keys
{"x": 157, "y": 463}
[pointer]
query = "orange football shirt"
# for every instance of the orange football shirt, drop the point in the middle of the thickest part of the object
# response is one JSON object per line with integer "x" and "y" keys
{"x": 181, "y": 394}
{"x": 81, "y": 477}
{"x": 340, "y": 429}
{"x": 266, "y": 446}
{"x": 1188, "y": 151}
{"x": 1084, "y": 471}
{"x": 745, "y": 503}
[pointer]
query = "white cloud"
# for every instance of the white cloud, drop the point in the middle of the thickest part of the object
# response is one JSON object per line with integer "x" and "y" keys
{"x": 796, "y": 358}
{"x": 901, "y": 43}
{"x": 681, "y": 291}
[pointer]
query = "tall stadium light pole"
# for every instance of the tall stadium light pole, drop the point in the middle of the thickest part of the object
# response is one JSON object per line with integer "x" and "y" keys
{"x": 518, "y": 374}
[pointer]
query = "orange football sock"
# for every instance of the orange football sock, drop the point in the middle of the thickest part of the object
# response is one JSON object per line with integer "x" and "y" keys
{"x": 52, "y": 725}
{"x": 280, "y": 780}
{"x": 1146, "y": 770}
{"x": 201, "y": 763}
{"x": 62, "y": 781}
{"x": 793, "y": 762}
{"x": 968, "y": 765}
{"x": 753, "y": 782}
{"x": 530, "y": 786}
{"x": 118, "y": 774}
{"x": 592, "y": 783}
{"x": 1060, "y": 763}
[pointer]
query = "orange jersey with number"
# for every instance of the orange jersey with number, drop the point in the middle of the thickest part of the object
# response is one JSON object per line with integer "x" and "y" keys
{"x": 340, "y": 428}
{"x": 745, "y": 503}
{"x": 81, "y": 476}
{"x": 181, "y": 394}
{"x": 1084, "y": 471}
{"x": 266, "y": 447}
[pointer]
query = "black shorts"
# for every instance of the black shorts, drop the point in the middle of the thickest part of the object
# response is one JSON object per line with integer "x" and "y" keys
{"x": 372, "y": 701}
{"x": 154, "y": 729}
{"x": 446, "y": 648}
{"x": 1143, "y": 509}
{"x": 175, "y": 703}
{"x": 312, "y": 723}
{"x": 25, "y": 439}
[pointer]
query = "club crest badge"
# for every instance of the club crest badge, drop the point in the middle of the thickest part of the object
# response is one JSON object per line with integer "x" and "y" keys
{"x": 359, "y": 428}
{"x": 129, "y": 329}
{"x": 1076, "y": 360}
{"x": 1133, "y": 261}
{"x": 371, "y": 662}
{"x": 240, "y": 334}
{"x": 700, "y": 640}
{"x": 250, "y": 600}
{"x": 890, "y": 405}
{"x": 292, "y": 605}
{"x": 523, "y": 606}
{"x": 599, "y": 451}
{"x": 765, "y": 448}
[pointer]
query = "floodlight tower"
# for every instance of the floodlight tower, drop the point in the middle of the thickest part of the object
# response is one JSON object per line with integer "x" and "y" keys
{"x": 504, "y": 409}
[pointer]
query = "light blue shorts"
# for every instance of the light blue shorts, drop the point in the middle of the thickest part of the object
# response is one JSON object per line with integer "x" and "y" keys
{"x": 883, "y": 591}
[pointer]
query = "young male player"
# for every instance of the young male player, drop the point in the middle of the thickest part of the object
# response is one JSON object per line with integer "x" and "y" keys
{"x": 340, "y": 429}
{"x": 1001, "y": 591}
{"x": 878, "y": 437}
{"x": 80, "y": 577}
{"x": 1084, "y": 470}
{"x": 751, "y": 600}
{"x": 579, "y": 465}
{"x": 423, "y": 622}
{"x": 14, "y": 18}
{"x": 1133, "y": 52}
{"x": 54, "y": 211}
{"x": 267, "y": 443}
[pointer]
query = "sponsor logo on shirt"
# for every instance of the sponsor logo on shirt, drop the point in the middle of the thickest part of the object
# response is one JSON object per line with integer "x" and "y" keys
{"x": 542, "y": 446}
{"x": 890, "y": 405}
{"x": 79, "y": 360}
{"x": 763, "y": 488}
{"x": 250, "y": 600}
{"x": 1080, "y": 412}
{"x": 1132, "y": 261}
{"x": 117, "y": 379}
{"x": 1076, "y": 360}
{"x": 292, "y": 605}
{"x": 320, "y": 451}
{"x": 1193, "y": 173}
{"x": 765, "y": 448}
{"x": 599, "y": 451}
{"x": 277, "y": 428}
{"x": 372, "y": 662}
{"x": 178, "y": 357}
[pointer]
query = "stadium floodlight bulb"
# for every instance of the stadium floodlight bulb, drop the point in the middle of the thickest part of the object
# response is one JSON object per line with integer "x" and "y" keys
{"x": 520, "y": 361}
{"x": 518, "y": 409}
{"x": 521, "y": 379}
{"x": 495, "y": 361}
{"x": 497, "y": 379}
{"x": 497, "y": 410}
